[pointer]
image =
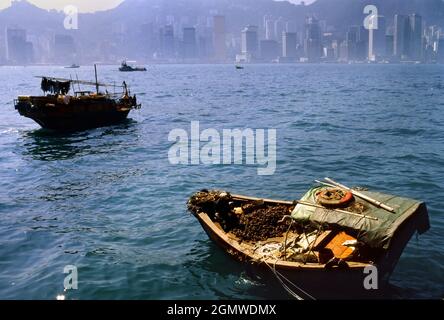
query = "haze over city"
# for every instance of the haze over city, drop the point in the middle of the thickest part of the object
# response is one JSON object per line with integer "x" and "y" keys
{"x": 221, "y": 31}
{"x": 91, "y": 5}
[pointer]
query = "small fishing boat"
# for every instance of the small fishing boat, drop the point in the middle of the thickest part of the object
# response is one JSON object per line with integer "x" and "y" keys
{"x": 127, "y": 68}
{"x": 61, "y": 111}
{"x": 73, "y": 66}
{"x": 238, "y": 67}
{"x": 322, "y": 246}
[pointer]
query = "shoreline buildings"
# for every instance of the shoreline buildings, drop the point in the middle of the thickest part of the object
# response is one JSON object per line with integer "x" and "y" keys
{"x": 405, "y": 39}
{"x": 211, "y": 39}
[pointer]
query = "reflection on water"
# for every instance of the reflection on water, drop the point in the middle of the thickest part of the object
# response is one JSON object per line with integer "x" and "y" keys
{"x": 47, "y": 145}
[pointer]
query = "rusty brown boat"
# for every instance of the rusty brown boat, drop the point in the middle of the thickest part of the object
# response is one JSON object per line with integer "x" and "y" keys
{"x": 62, "y": 108}
{"x": 314, "y": 250}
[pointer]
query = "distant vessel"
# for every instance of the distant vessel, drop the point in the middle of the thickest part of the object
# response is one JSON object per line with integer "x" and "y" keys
{"x": 239, "y": 67}
{"x": 61, "y": 111}
{"x": 73, "y": 66}
{"x": 127, "y": 68}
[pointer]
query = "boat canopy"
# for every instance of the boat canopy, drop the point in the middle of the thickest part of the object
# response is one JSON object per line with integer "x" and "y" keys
{"x": 376, "y": 233}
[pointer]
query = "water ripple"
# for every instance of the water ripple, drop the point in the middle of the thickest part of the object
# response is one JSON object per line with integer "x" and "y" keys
{"x": 108, "y": 201}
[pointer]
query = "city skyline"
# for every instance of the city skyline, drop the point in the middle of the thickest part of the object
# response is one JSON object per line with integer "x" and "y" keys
{"x": 214, "y": 36}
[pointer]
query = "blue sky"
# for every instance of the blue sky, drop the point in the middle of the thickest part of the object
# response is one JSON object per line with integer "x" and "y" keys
{"x": 86, "y": 5}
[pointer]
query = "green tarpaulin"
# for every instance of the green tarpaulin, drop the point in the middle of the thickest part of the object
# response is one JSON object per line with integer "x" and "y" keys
{"x": 375, "y": 233}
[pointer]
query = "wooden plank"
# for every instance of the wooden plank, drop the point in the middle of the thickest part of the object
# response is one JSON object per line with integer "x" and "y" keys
{"x": 323, "y": 240}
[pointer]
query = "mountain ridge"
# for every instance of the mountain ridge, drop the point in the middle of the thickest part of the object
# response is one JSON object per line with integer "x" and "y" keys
{"x": 336, "y": 12}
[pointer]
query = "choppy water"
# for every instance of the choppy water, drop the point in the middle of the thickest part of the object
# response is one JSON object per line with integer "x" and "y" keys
{"x": 109, "y": 202}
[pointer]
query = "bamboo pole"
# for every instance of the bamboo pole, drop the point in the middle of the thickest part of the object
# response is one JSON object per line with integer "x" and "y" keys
{"x": 362, "y": 196}
{"x": 304, "y": 203}
{"x": 310, "y": 204}
{"x": 97, "y": 82}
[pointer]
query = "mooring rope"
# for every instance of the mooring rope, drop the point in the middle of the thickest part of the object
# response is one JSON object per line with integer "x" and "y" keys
{"x": 280, "y": 277}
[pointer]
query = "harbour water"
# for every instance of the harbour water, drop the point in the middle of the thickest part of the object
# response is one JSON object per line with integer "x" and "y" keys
{"x": 109, "y": 202}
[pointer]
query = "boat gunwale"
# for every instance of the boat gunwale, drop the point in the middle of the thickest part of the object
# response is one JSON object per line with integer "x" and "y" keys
{"x": 234, "y": 243}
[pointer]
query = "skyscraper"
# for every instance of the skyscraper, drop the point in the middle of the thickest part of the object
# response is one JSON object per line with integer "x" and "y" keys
{"x": 377, "y": 39}
{"x": 269, "y": 50}
{"x": 249, "y": 45}
{"x": 408, "y": 42}
{"x": 290, "y": 26}
{"x": 279, "y": 27}
{"x": 313, "y": 40}
{"x": 289, "y": 44}
{"x": 219, "y": 35}
{"x": 352, "y": 39}
{"x": 415, "y": 37}
{"x": 400, "y": 36}
{"x": 389, "y": 45}
{"x": 189, "y": 43}
{"x": 148, "y": 39}
{"x": 64, "y": 49}
{"x": 343, "y": 51}
{"x": 2, "y": 49}
{"x": 18, "y": 50}
{"x": 270, "y": 30}
{"x": 167, "y": 41}
{"x": 440, "y": 51}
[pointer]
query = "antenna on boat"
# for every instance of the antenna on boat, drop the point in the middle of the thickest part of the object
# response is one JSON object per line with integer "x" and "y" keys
{"x": 97, "y": 82}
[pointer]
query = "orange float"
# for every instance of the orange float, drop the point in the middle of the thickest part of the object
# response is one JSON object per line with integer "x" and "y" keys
{"x": 334, "y": 197}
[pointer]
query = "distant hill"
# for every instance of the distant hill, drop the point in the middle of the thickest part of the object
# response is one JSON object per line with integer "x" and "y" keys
{"x": 23, "y": 14}
{"x": 339, "y": 13}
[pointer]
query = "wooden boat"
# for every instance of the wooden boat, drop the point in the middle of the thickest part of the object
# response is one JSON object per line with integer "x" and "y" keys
{"x": 81, "y": 110}
{"x": 329, "y": 267}
{"x": 127, "y": 68}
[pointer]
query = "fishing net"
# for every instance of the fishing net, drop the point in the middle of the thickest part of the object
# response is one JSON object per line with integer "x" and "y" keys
{"x": 55, "y": 87}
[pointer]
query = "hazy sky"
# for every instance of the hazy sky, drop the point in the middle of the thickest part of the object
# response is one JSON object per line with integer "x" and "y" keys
{"x": 85, "y": 5}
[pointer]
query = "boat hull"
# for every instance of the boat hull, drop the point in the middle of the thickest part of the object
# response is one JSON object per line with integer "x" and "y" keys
{"x": 318, "y": 281}
{"x": 131, "y": 69}
{"x": 74, "y": 116}
{"x": 79, "y": 122}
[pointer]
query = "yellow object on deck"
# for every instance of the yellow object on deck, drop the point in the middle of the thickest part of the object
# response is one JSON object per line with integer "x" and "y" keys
{"x": 336, "y": 245}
